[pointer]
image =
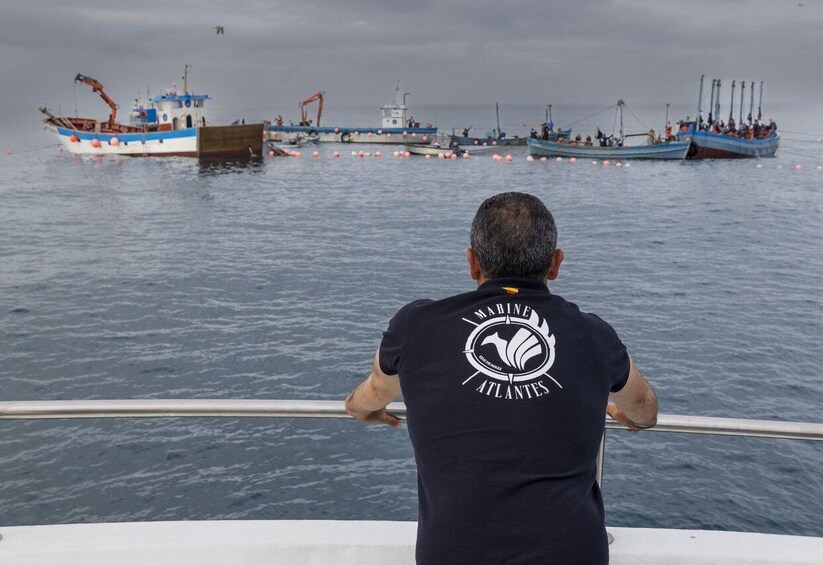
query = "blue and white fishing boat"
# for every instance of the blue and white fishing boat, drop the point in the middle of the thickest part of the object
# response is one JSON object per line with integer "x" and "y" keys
{"x": 611, "y": 148}
{"x": 396, "y": 127}
{"x": 716, "y": 139}
{"x": 172, "y": 124}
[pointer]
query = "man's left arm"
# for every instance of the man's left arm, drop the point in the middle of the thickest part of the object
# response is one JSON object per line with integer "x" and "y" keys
{"x": 368, "y": 401}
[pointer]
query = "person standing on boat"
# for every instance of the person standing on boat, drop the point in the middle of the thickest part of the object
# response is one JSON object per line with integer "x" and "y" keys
{"x": 506, "y": 389}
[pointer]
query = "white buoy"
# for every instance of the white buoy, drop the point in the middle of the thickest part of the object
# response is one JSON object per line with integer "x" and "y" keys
{"x": 354, "y": 153}
{"x": 573, "y": 160}
{"x": 529, "y": 158}
{"x": 759, "y": 166}
{"x": 428, "y": 156}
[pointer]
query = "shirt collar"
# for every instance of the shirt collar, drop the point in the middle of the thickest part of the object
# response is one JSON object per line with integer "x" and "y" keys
{"x": 512, "y": 285}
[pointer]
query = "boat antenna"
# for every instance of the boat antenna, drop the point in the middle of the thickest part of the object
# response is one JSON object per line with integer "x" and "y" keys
{"x": 760, "y": 103}
{"x": 550, "y": 122}
{"x": 742, "y": 97}
{"x": 711, "y": 103}
{"x": 751, "y": 101}
{"x": 717, "y": 102}
{"x": 404, "y": 97}
{"x": 497, "y": 111}
{"x": 699, "y": 119}
{"x": 731, "y": 101}
{"x": 665, "y": 125}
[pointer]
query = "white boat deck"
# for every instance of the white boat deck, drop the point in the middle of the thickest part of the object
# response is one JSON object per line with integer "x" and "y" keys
{"x": 353, "y": 542}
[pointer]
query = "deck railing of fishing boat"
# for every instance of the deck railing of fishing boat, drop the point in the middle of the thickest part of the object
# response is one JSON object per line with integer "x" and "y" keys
{"x": 247, "y": 408}
{"x": 344, "y": 542}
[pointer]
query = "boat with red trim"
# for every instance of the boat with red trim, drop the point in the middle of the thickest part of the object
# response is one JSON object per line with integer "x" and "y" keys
{"x": 172, "y": 124}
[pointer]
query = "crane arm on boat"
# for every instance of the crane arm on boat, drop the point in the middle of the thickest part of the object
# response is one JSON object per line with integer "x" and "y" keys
{"x": 98, "y": 88}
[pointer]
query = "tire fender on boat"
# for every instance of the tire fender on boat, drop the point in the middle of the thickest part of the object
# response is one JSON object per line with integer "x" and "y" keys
{"x": 312, "y": 132}
{"x": 345, "y": 137}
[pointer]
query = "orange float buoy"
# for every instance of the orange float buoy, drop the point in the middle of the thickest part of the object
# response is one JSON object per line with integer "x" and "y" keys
{"x": 493, "y": 143}
{"x": 508, "y": 157}
{"x": 618, "y": 164}
{"x": 573, "y": 160}
{"x": 476, "y": 142}
{"x": 544, "y": 159}
{"x": 453, "y": 156}
{"x": 558, "y": 159}
{"x": 357, "y": 133}
{"x": 606, "y": 163}
{"x": 95, "y": 143}
{"x": 377, "y": 154}
{"x": 361, "y": 154}
{"x": 798, "y": 167}
{"x": 405, "y": 133}
{"x": 336, "y": 153}
{"x": 316, "y": 154}
{"x": 388, "y": 135}
{"x": 74, "y": 138}
{"x": 408, "y": 154}
{"x": 425, "y": 138}
{"x": 115, "y": 141}
{"x": 8, "y": 151}
{"x": 428, "y": 156}
{"x": 271, "y": 153}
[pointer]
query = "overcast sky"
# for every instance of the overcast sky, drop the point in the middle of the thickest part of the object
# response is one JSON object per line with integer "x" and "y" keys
{"x": 274, "y": 53}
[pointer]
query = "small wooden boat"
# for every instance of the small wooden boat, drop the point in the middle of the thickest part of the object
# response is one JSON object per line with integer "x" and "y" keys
{"x": 665, "y": 150}
{"x": 172, "y": 124}
{"x": 610, "y": 147}
{"x": 499, "y": 137}
{"x": 435, "y": 150}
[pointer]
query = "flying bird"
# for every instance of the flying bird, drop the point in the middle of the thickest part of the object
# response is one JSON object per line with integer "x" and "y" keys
{"x": 219, "y": 30}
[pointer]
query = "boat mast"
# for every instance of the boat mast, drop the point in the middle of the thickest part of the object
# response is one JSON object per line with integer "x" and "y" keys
{"x": 497, "y": 111}
{"x": 742, "y": 97}
{"x": 666, "y": 124}
{"x": 549, "y": 122}
{"x": 186, "y": 69}
{"x": 760, "y": 103}
{"x": 699, "y": 119}
{"x": 620, "y": 105}
{"x": 717, "y": 102}
{"x": 731, "y": 107}
{"x": 751, "y": 101}
{"x": 711, "y": 103}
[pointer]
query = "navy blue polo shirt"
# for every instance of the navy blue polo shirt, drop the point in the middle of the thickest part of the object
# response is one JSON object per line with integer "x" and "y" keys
{"x": 506, "y": 390}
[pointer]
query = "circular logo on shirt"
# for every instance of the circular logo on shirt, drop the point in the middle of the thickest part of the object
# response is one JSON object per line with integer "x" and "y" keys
{"x": 511, "y": 348}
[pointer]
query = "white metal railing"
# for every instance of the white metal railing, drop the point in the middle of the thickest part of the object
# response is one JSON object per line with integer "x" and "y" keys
{"x": 244, "y": 408}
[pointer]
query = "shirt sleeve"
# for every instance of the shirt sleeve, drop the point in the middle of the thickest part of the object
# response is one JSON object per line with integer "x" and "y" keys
{"x": 617, "y": 356}
{"x": 391, "y": 347}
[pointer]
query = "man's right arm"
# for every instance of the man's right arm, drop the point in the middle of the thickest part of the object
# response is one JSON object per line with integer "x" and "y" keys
{"x": 635, "y": 405}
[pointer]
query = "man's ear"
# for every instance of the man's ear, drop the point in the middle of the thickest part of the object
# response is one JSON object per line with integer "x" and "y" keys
{"x": 557, "y": 258}
{"x": 474, "y": 265}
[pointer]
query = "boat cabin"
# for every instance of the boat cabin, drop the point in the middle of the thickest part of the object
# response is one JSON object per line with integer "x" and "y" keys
{"x": 394, "y": 116}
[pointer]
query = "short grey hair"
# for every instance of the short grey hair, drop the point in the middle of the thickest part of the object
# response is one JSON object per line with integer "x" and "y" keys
{"x": 514, "y": 235}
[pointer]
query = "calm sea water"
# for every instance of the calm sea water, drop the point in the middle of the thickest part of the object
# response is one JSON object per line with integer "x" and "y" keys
{"x": 173, "y": 278}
